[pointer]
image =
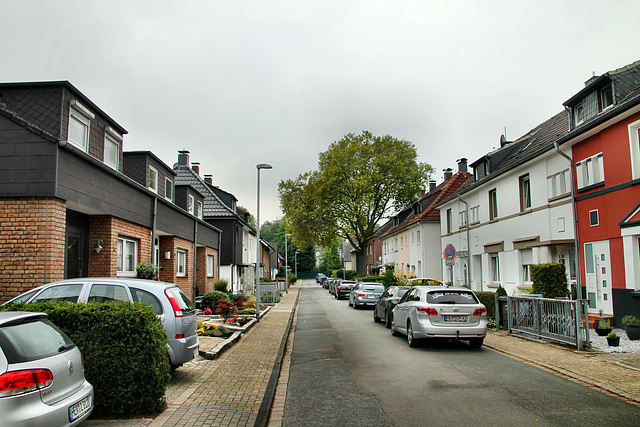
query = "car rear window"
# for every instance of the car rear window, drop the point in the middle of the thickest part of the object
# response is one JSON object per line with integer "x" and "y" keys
{"x": 451, "y": 297}
{"x": 33, "y": 340}
{"x": 182, "y": 298}
{"x": 146, "y": 298}
{"x": 373, "y": 287}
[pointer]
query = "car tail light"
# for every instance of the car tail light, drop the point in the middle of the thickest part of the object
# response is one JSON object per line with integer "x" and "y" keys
{"x": 174, "y": 304}
{"x": 360, "y": 295}
{"x": 178, "y": 336}
{"x": 339, "y": 287}
{"x": 20, "y": 382}
{"x": 427, "y": 310}
{"x": 479, "y": 311}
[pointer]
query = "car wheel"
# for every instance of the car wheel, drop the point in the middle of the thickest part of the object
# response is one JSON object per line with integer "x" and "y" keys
{"x": 476, "y": 342}
{"x": 393, "y": 328}
{"x": 355, "y": 304}
{"x": 350, "y": 302}
{"x": 375, "y": 317}
{"x": 413, "y": 343}
{"x": 387, "y": 319}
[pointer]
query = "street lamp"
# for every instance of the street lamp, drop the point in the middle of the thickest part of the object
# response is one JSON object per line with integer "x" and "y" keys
{"x": 259, "y": 167}
{"x": 286, "y": 264}
{"x": 295, "y": 261}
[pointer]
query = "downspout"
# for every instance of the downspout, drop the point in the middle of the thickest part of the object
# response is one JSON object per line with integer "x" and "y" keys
{"x": 195, "y": 257}
{"x": 154, "y": 231}
{"x": 468, "y": 243}
{"x": 575, "y": 219}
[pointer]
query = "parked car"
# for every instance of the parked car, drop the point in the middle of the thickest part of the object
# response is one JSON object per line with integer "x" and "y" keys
{"x": 327, "y": 284}
{"x": 174, "y": 308}
{"x": 440, "y": 312}
{"x": 385, "y": 304}
{"x": 344, "y": 288}
{"x": 319, "y": 277}
{"x": 42, "y": 379}
{"x": 365, "y": 294}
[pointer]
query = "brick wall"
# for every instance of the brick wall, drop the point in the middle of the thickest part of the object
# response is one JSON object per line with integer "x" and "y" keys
{"x": 205, "y": 283}
{"x": 32, "y": 244}
{"x": 169, "y": 267}
{"x": 108, "y": 229}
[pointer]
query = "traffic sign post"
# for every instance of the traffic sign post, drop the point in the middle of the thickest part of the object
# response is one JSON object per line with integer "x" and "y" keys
{"x": 449, "y": 252}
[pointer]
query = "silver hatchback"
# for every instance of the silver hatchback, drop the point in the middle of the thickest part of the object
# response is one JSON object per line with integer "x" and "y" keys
{"x": 41, "y": 374}
{"x": 440, "y": 312}
{"x": 171, "y": 305}
{"x": 364, "y": 294}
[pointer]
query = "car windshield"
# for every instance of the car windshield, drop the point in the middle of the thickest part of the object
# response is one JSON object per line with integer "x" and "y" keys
{"x": 451, "y": 297}
{"x": 369, "y": 287}
{"x": 32, "y": 341}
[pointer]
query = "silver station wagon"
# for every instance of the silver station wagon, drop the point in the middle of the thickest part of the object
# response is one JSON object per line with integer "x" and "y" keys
{"x": 440, "y": 312}
{"x": 173, "y": 307}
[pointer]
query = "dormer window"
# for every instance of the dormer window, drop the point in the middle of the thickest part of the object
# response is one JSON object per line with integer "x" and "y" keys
{"x": 578, "y": 113}
{"x": 606, "y": 98}
{"x": 480, "y": 171}
{"x": 112, "y": 141}
{"x": 153, "y": 179}
{"x": 79, "y": 125}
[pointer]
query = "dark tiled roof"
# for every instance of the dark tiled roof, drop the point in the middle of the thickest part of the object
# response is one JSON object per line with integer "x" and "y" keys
{"x": 24, "y": 123}
{"x": 213, "y": 206}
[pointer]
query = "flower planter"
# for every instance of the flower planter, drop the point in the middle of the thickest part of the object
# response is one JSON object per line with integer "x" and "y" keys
{"x": 633, "y": 333}
{"x": 603, "y": 332}
{"x": 613, "y": 342}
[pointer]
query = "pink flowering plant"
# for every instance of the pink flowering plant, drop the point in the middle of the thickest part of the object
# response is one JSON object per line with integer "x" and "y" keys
{"x": 225, "y": 308}
{"x": 207, "y": 311}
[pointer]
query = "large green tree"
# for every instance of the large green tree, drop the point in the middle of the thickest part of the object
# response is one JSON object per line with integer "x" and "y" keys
{"x": 361, "y": 179}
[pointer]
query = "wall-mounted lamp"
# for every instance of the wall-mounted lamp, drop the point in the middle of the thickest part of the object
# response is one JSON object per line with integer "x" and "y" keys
{"x": 98, "y": 247}
{"x": 167, "y": 255}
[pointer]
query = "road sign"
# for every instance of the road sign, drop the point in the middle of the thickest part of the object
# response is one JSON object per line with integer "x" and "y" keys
{"x": 449, "y": 252}
{"x": 449, "y": 262}
{"x": 462, "y": 254}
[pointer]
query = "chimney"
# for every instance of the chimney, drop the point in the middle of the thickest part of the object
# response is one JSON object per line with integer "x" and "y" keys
{"x": 462, "y": 165}
{"x": 432, "y": 186}
{"x": 196, "y": 167}
{"x": 183, "y": 158}
{"x": 208, "y": 179}
{"x": 448, "y": 173}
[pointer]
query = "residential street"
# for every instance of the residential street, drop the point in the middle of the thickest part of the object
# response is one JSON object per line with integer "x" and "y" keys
{"x": 347, "y": 370}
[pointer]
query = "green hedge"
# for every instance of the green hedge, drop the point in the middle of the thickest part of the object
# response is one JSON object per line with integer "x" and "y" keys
{"x": 376, "y": 279}
{"x": 124, "y": 347}
{"x": 550, "y": 280}
{"x": 489, "y": 301}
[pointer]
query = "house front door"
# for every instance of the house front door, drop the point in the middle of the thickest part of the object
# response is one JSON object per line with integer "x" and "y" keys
{"x": 74, "y": 261}
{"x": 598, "y": 276}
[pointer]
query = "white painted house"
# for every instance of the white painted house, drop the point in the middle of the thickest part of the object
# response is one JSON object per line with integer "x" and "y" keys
{"x": 515, "y": 212}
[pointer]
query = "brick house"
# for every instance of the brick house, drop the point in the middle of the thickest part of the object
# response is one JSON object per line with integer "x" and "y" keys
{"x": 75, "y": 205}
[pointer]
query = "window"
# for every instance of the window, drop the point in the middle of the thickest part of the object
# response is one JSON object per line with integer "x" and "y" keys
{"x": 463, "y": 218}
{"x": 210, "y": 264}
{"x": 480, "y": 170}
{"x": 190, "y": 204}
{"x": 111, "y": 151}
{"x": 594, "y": 218}
{"x": 578, "y": 112}
{"x": 182, "y": 263}
{"x": 106, "y": 293}
{"x": 199, "y": 209}
{"x": 418, "y": 236}
{"x": 127, "y": 257}
{"x": 606, "y": 98}
{"x": 401, "y": 242}
{"x": 558, "y": 184}
{"x": 69, "y": 293}
{"x": 525, "y": 193}
{"x": 590, "y": 171}
{"x": 493, "y": 205}
{"x": 526, "y": 259}
{"x": 494, "y": 266}
{"x": 153, "y": 179}
{"x": 148, "y": 298}
{"x": 168, "y": 189}
{"x": 634, "y": 145}
{"x": 475, "y": 217}
{"x": 79, "y": 125}
{"x": 449, "y": 220}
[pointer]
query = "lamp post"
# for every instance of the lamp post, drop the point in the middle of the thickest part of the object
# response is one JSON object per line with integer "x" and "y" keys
{"x": 286, "y": 264}
{"x": 295, "y": 261}
{"x": 258, "y": 167}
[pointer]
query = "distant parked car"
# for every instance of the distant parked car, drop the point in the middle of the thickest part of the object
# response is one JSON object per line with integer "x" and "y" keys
{"x": 343, "y": 288}
{"x": 327, "y": 283}
{"x": 174, "y": 308}
{"x": 365, "y": 294}
{"x": 385, "y": 304}
{"x": 440, "y": 312}
{"x": 319, "y": 277}
{"x": 41, "y": 374}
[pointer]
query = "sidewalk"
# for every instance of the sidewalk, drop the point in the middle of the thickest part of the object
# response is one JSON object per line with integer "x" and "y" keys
{"x": 615, "y": 374}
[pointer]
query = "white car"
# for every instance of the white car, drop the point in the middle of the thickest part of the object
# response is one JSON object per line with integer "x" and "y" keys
{"x": 440, "y": 312}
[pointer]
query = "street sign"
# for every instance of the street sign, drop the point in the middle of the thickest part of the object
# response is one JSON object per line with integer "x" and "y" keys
{"x": 463, "y": 254}
{"x": 449, "y": 262}
{"x": 449, "y": 252}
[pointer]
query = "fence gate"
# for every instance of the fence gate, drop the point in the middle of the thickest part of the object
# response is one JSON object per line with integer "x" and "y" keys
{"x": 269, "y": 293}
{"x": 565, "y": 321}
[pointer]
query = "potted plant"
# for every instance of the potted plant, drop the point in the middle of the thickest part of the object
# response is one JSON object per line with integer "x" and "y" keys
{"x": 613, "y": 339}
{"x": 602, "y": 327}
{"x": 631, "y": 326}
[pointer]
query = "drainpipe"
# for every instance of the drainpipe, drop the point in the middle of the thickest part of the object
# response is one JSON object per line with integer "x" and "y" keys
{"x": 575, "y": 219}
{"x": 154, "y": 231}
{"x": 195, "y": 257}
{"x": 468, "y": 243}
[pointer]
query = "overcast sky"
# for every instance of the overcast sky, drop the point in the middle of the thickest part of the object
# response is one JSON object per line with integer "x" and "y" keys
{"x": 239, "y": 83}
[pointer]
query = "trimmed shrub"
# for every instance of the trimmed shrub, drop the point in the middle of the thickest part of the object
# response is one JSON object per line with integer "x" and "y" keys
{"x": 210, "y": 299}
{"x": 148, "y": 271}
{"x": 550, "y": 280}
{"x": 376, "y": 279}
{"x": 501, "y": 291}
{"x": 348, "y": 274}
{"x": 124, "y": 347}
{"x": 489, "y": 301}
{"x": 220, "y": 285}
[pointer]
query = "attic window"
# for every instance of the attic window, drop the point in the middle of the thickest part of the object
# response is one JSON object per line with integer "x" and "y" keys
{"x": 578, "y": 113}
{"x": 480, "y": 171}
{"x": 606, "y": 97}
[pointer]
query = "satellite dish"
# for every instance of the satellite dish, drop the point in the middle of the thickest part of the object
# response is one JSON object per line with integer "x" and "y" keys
{"x": 503, "y": 141}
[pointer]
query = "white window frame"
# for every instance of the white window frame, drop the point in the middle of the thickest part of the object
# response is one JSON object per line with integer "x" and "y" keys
{"x": 558, "y": 184}
{"x": 418, "y": 236}
{"x": 590, "y": 171}
{"x": 463, "y": 218}
{"x": 181, "y": 263}
{"x": 597, "y": 223}
{"x": 153, "y": 186}
{"x": 168, "y": 184}
{"x": 494, "y": 267}
{"x": 210, "y": 262}
{"x": 113, "y": 140}
{"x": 191, "y": 205}
{"x": 82, "y": 116}
{"x": 124, "y": 247}
{"x": 634, "y": 147}
{"x": 475, "y": 217}
{"x": 525, "y": 192}
{"x": 578, "y": 112}
{"x": 449, "y": 220}
{"x": 493, "y": 204}
{"x": 199, "y": 208}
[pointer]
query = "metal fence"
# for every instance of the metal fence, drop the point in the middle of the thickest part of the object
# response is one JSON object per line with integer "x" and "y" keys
{"x": 269, "y": 293}
{"x": 565, "y": 321}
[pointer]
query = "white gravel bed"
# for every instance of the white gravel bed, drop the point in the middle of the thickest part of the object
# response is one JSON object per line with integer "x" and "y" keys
{"x": 626, "y": 345}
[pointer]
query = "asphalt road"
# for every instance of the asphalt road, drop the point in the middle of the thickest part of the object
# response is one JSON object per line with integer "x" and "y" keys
{"x": 347, "y": 370}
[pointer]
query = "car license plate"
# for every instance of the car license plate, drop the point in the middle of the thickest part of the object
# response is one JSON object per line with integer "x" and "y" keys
{"x": 79, "y": 409}
{"x": 455, "y": 318}
{"x": 196, "y": 352}
{"x": 371, "y": 296}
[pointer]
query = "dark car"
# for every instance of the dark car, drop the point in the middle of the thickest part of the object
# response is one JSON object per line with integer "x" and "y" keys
{"x": 344, "y": 288}
{"x": 384, "y": 306}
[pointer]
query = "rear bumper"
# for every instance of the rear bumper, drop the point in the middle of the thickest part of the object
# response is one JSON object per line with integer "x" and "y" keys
{"x": 426, "y": 329}
{"x": 183, "y": 350}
